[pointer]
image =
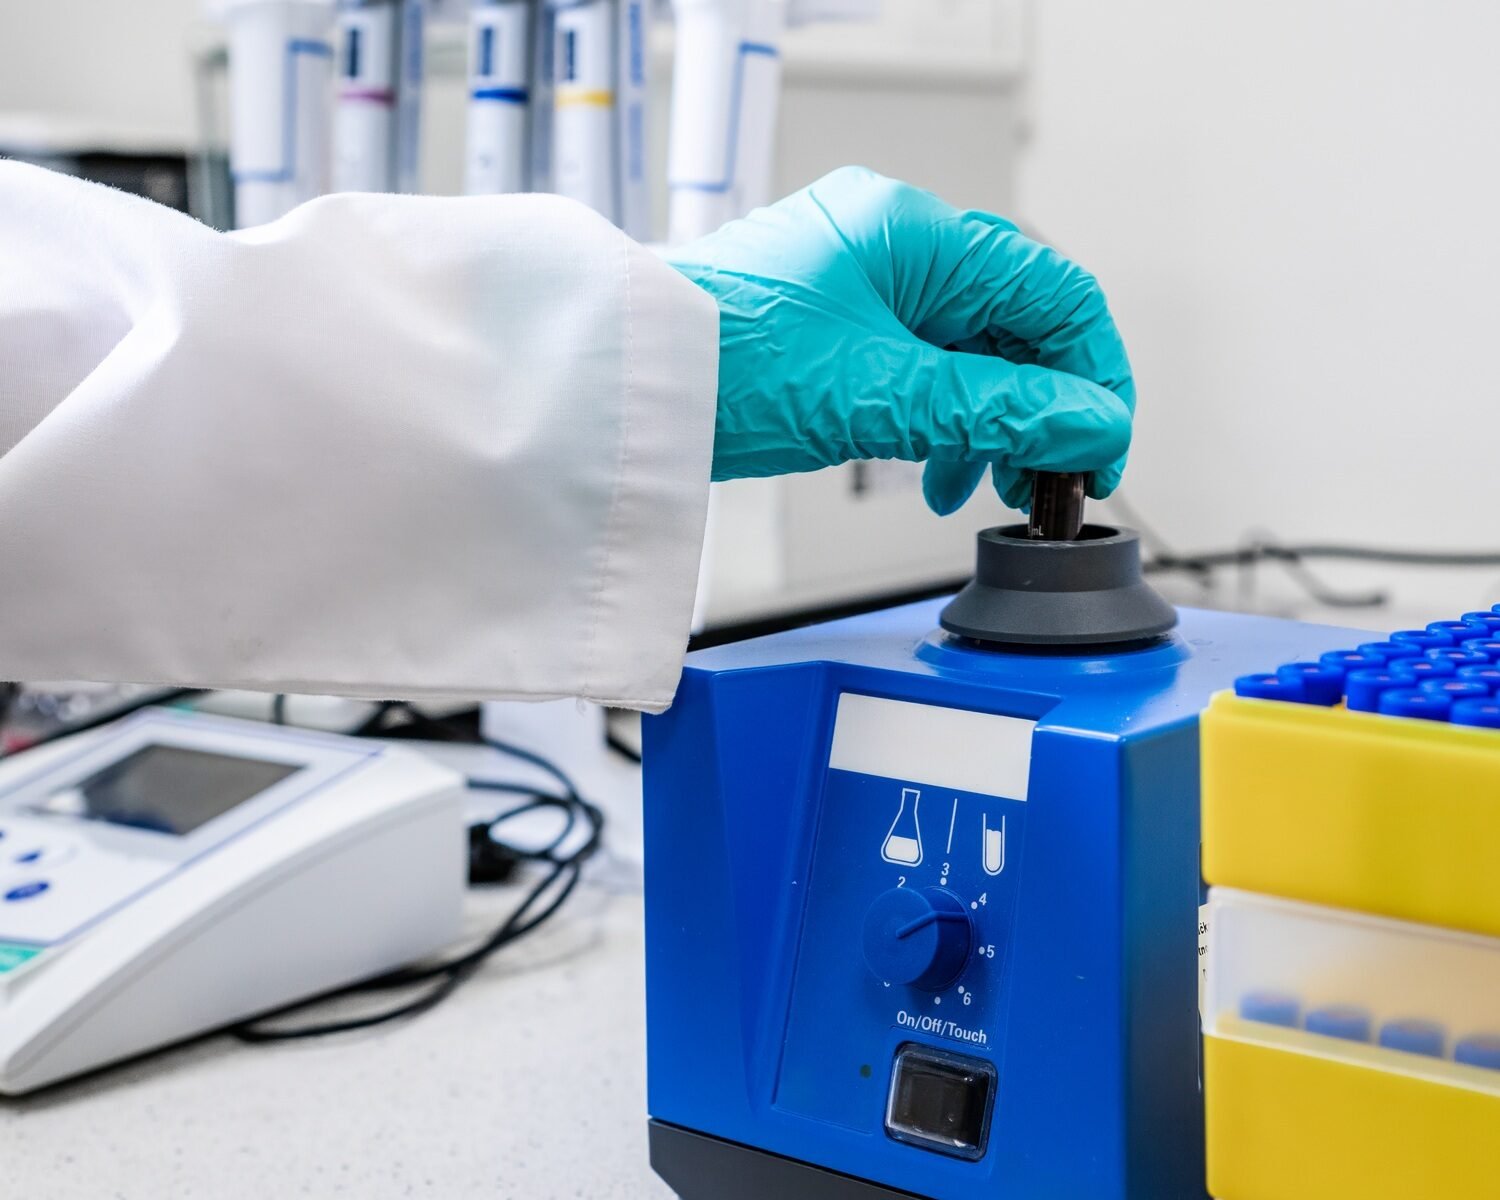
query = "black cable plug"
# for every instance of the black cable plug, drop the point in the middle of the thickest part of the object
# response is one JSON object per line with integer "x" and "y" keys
{"x": 490, "y": 861}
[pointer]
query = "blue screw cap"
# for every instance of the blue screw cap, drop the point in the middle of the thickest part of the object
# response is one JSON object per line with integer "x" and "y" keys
{"x": 1489, "y": 676}
{"x": 1418, "y": 669}
{"x": 1487, "y": 646}
{"x": 1346, "y": 1021}
{"x": 1414, "y": 702}
{"x": 1320, "y": 683}
{"x": 1271, "y": 1008}
{"x": 1479, "y": 1050}
{"x": 1455, "y": 689}
{"x": 1364, "y": 687}
{"x": 1270, "y": 687}
{"x": 1415, "y": 1037}
{"x": 1389, "y": 652}
{"x": 1424, "y": 639}
{"x": 1490, "y": 620}
{"x": 1459, "y": 631}
{"x": 1351, "y": 660}
{"x": 1483, "y": 714}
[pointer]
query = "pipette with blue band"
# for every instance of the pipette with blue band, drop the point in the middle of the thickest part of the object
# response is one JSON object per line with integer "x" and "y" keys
{"x": 497, "y": 141}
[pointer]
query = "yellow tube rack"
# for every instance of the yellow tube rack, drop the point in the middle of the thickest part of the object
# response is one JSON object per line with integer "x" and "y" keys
{"x": 1385, "y": 815}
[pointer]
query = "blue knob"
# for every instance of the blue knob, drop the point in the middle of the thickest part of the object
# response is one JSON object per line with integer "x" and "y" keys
{"x": 920, "y": 936}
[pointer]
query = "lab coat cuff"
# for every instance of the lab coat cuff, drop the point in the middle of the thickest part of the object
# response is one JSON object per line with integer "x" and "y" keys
{"x": 642, "y": 608}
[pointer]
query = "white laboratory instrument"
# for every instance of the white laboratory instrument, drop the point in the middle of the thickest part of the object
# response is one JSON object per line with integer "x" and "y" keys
{"x": 411, "y": 76}
{"x": 497, "y": 153}
{"x": 173, "y": 874}
{"x": 598, "y": 119}
{"x": 583, "y": 102}
{"x": 378, "y": 107}
{"x": 280, "y": 66}
{"x": 725, "y": 90}
{"x": 364, "y": 127}
{"x": 631, "y": 56}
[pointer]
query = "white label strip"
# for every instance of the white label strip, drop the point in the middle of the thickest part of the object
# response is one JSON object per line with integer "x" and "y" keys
{"x": 922, "y": 743}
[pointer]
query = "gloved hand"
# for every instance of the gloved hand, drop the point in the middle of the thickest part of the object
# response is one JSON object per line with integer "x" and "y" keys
{"x": 863, "y": 318}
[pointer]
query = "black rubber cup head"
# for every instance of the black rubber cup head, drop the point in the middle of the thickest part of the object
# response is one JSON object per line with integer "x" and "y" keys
{"x": 1085, "y": 592}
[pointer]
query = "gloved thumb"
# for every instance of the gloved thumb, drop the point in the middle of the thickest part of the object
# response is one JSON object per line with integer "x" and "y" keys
{"x": 984, "y": 411}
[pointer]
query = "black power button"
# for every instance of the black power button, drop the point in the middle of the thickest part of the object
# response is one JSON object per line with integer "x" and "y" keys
{"x": 940, "y": 1101}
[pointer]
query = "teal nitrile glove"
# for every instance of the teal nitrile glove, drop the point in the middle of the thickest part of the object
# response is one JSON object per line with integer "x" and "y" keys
{"x": 863, "y": 318}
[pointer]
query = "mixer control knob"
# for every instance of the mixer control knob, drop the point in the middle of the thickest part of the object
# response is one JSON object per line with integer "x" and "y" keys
{"x": 920, "y": 936}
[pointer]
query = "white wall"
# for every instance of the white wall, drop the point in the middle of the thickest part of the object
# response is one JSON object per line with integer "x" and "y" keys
{"x": 121, "y": 63}
{"x": 1295, "y": 208}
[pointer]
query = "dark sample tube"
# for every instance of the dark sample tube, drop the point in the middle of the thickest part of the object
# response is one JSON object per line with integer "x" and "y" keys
{"x": 1056, "y": 506}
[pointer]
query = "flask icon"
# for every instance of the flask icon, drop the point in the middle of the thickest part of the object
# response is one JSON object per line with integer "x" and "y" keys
{"x": 903, "y": 844}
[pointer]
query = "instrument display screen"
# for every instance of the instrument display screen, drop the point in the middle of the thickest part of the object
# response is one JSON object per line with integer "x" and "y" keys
{"x": 165, "y": 789}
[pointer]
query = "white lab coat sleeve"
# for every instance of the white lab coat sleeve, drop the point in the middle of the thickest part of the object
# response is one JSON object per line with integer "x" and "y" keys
{"x": 387, "y": 446}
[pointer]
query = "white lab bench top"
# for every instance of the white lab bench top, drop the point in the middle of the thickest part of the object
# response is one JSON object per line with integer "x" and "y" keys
{"x": 528, "y": 1083}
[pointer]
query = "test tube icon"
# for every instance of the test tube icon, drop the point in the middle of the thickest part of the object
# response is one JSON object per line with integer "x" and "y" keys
{"x": 994, "y": 846}
{"x": 903, "y": 844}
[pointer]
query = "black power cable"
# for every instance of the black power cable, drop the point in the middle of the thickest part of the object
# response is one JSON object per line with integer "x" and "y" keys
{"x": 1294, "y": 558}
{"x": 491, "y": 860}
{"x": 1272, "y": 551}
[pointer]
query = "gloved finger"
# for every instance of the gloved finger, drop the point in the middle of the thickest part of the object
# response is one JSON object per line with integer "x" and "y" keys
{"x": 972, "y": 409}
{"x": 1105, "y": 480}
{"x": 1012, "y": 485}
{"x": 947, "y": 486}
{"x": 950, "y": 277}
{"x": 1001, "y": 283}
{"x": 1001, "y": 345}
{"x": 891, "y": 229}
